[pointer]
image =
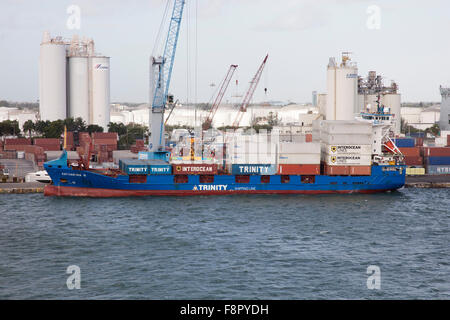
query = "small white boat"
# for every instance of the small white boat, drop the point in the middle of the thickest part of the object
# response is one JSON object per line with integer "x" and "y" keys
{"x": 39, "y": 176}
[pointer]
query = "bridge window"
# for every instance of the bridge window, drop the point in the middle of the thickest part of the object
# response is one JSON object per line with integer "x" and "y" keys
{"x": 242, "y": 179}
{"x": 181, "y": 178}
{"x": 308, "y": 179}
{"x": 265, "y": 179}
{"x": 285, "y": 179}
{"x": 206, "y": 179}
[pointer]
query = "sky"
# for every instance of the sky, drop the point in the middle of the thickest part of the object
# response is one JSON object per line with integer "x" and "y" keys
{"x": 403, "y": 40}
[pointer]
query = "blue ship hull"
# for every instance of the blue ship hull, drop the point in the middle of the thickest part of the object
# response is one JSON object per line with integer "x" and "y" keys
{"x": 71, "y": 182}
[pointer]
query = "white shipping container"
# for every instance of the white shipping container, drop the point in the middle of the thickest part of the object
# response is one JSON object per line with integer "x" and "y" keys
{"x": 347, "y": 159}
{"x": 345, "y": 149}
{"x": 307, "y": 147}
{"x": 346, "y": 127}
{"x": 304, "y": 158}
{"x": 346, "y": 138}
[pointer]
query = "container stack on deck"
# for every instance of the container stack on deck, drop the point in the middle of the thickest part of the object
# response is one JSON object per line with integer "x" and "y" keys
{"x": 48, "y": 144}
{"x": 346, "y": 147}
{"x": 437, "y": 160}
{"x": 138, "y": 146}
{"x": 36, "y": 154}
{"x": 299, "y": 158}
{"x": 104, "y": 143}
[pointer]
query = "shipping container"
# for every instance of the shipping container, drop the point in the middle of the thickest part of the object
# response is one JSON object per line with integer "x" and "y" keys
{"x": 307, "y": 158}
{"x": 410, "y": 152}
{"x": 253, "y": 169}
{"x": 436, "y": 169}
{"x": 299, "y": 148}
{"x": 419, "y": 142}
{"x": 415, "y": 171}
{"x": 438, "y": 160}
{"x": 413, "y": 161}
{"x": 346, "y": 139}
{"x": 299, "y": 169}
{"x": 347, "y": 159}
{"x": 17, "y": 141}
{"x": 405, "y": 142}
{"x": 436, "y": 152}
{"x": 360, "y": 170}
{"x": 344, "y": 149}
{"x": 160, "y": 169}
{"x": 336, "y": 170}
{"x": 194, "y": 169}
{"x": 346, "y": 127}
{"x": 104, "y": 135}
{"x": 417, "y": 135}
{"x": 46, "y": 141}
{"x": 308, "y": 137}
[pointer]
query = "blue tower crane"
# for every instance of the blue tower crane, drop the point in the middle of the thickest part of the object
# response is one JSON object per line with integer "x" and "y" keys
{"x": 160, "y": 75}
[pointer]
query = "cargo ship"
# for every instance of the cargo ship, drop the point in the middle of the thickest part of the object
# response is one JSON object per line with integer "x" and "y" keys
{"x": 162, "y": 180}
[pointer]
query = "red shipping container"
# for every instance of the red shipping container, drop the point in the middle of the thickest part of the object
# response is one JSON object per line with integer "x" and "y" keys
{"x": 411, "y": 152}
{"x": 433, "y": 152}
{"x": 194, "y": 169}
{"x": 299, "y": 169}
{"x": 46, "y": 141}
{"x": 18, "y": 141}
{"x": 336, "y": 170}
{"x": 413, "y": 161}
{"x": 419, "y": 142}
{"x": 448, "y": 140}
{"x": 16, "y": 147}
{"x": 308, "y": 137}
{"x": 360, "y": 170}
{"x": 104, "y": 135}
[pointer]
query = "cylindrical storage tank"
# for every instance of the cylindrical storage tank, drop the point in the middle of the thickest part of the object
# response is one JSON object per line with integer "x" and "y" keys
{"x": 52, "y": 81}
{"x": 346, "y": 93}
{"x": 393, "y": 102}
{"x": 79, "y": 88}
{"x": 330, "y": 110}
{"x": 100, "y": 91}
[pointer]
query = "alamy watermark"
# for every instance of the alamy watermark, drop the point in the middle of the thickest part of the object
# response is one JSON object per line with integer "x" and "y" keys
{"x": 374, "y": 279}
{"x": 74, "y": 19}
{"x": 374, "y": 18}
{"x": 74, "y": 280}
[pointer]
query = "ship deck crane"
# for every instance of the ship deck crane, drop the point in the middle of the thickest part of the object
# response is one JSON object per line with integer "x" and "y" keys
{"x": 249, "y": 95}
{"x": 223, "y": 88}
{"x": 160, "y": 76}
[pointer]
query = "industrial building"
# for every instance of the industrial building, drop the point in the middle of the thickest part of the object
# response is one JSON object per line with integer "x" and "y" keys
{"x": 74, "y": 81}
{"x": 444, "y": 120}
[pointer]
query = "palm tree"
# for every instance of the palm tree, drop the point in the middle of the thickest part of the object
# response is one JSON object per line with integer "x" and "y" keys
{"x": 28, "y": 126}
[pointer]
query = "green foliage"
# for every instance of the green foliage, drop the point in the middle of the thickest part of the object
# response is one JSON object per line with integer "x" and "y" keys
{"x": 434, "y": 130}
{"x": 9, "y": 128}
{"x": 119, "y": 128}
{"x": 28, "y": 126}
{"x": 128, "y": 134}
{"x": 94, "y": 128}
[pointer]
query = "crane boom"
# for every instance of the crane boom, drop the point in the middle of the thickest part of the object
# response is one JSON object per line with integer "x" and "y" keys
{"x": 249, "y": 95}
{"x": 223, "y": 88}
{"x": 160, "y": 76}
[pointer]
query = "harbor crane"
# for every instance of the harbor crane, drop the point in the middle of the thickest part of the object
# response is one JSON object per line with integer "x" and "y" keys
{"x": 249, "y": 95}
{"x": 223, "y": 88}
{"x": 160, "y": 76}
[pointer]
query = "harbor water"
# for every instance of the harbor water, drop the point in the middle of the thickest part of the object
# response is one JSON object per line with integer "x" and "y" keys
{"x": 227, "y": 247}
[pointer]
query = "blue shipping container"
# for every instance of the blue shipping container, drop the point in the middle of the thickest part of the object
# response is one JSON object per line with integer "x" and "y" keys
{"x": 254, "y": 169}
{"x": 160, "y": 169}
{"x": 438, "y": 169}
{"x": 405, "y": 143}
{"x": 417, "y": 134}
{"x": 438, "y": 160}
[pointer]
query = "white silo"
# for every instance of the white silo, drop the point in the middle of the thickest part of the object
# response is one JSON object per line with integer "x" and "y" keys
{"x": 444, "y": 119}
{"x": 100, "y": 94}
{"x": 52, "y": 79}
{"x": 342, "y": 85}
{"x": 79, "y": 87}
{"x": 393, "y": 102}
